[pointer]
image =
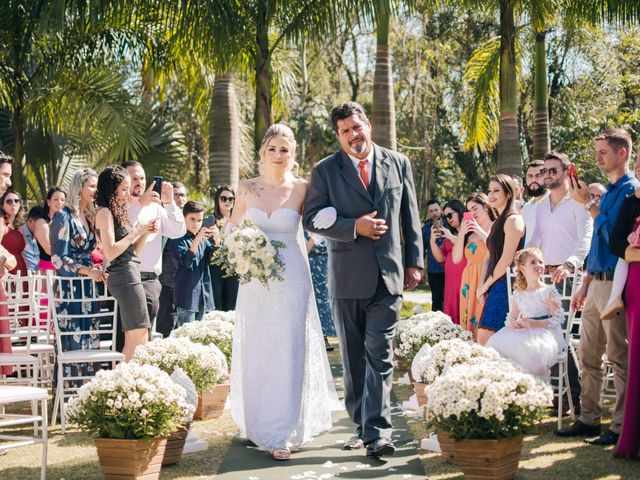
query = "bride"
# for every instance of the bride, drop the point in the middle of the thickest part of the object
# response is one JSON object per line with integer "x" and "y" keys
{"x": 282, "y": 392}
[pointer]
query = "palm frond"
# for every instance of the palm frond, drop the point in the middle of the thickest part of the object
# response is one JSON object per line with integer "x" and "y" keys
{"x": 480, "y": 118}
{"x": 612, "y": 11}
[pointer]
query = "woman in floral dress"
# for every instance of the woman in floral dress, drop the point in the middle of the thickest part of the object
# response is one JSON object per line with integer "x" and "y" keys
{"x": 72, "y": 240}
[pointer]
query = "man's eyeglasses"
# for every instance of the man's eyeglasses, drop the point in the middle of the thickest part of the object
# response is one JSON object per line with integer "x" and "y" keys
{"x": 11, "y": 201}
{"x": 553, "y": 171}
{"x": 180, "y": 195}
{"x": 449, "y": 215}
{"x": 595, "y": 196}
{"x": 224, "y": 198}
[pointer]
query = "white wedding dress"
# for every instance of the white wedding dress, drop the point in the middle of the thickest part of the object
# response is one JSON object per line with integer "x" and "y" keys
{"x": 282, "y": 391}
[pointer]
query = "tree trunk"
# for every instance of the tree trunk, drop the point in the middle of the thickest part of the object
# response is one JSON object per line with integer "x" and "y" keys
{"x": 541, "y": 136}
{"x": 18, "y": 181}
{"x": 383, "y": 113}
{"x": 264, "y": 79}
{"x": 224, "y": 134}
{"x": 509, "y": 157}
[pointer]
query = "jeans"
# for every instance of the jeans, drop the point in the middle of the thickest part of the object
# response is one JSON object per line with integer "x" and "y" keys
{"x": 186, "y": 316}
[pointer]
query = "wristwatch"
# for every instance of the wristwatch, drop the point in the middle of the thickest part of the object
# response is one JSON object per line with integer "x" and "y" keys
{"x": 570, "y": 266}
{"x": 589, "y": 204}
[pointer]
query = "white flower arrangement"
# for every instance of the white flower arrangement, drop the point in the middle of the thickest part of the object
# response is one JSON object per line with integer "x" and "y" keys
{"x": 229, "y": 317}
{"x": 131, "y": 401}
{"x": 448, "y": 354}
{"x": 489, "y": 400}
{"x": 208, "y": 332}
{"x": 247, "y": 253}
{"x": 429, "y": 327}
{"x": 205, "y": 365}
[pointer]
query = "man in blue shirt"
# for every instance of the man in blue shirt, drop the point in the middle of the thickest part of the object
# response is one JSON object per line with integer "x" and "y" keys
{"x": 435, "y": 270}
{"x": 31, "y": 253}
{"x": 613, "y": 148}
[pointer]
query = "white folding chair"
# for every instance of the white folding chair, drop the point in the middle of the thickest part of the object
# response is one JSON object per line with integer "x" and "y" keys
{"x": 16, "y": 318}
{"x": 68, "y": 294}
{"x": 12, "y": 394}
{"x": 567, "y": 288}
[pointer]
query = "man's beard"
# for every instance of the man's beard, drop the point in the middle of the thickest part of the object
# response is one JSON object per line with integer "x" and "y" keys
{"x": 358, "y": 148}
{"x": 538, "y": 192}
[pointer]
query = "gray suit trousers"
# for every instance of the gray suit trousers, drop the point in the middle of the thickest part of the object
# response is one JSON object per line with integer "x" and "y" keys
{"x": 366, "y": 328}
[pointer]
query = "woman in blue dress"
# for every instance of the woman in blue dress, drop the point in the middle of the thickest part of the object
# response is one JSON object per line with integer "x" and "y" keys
{"x": 505, "y": 239}
{"x": 72, "y": 240}
{"x": 317, "y": 251}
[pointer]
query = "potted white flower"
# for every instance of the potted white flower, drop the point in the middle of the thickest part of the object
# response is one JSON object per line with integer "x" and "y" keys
{"x": 131, "y": 410}
{"x": 209, "y": 332}
{"x": 205, "y": 365}
{"x": 486, "y": 408}
{"x": 220, "y": 315}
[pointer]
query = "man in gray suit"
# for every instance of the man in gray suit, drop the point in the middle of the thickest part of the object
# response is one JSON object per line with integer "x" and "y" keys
{"x": 367, "y": 194}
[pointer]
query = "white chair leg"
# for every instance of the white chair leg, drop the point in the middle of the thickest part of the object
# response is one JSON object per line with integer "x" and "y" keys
{"x": 59, "y": 392}
{"x": 45, "y": 440}
{"x": 560, "y": 391}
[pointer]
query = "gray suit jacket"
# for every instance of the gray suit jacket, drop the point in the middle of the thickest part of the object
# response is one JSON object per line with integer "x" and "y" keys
{"x": 355, "y": 261}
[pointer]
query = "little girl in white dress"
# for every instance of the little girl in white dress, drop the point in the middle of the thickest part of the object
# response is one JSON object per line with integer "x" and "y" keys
{"x": 532, "y": 336}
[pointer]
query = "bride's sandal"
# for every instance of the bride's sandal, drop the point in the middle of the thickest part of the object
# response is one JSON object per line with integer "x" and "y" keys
{"x": 281, "y": 453}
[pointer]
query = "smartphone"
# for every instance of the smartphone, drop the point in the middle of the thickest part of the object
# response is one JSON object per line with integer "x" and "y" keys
{"x": 437, "y": 223}
{"x": 572, "y": 172}
{"x": 467, "y": 216}
{"x": 209, "y": 221}
{"x": 158, "y": 186}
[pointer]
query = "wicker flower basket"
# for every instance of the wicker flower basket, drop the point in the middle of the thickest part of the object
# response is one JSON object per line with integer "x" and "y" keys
{"x": 211, "y": 402}
{"x": 130, "y": 459}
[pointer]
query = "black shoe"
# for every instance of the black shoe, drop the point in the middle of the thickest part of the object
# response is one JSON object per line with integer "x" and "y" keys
{"x": 579, "y": 429}
{"x": 607, "y": 438}
{"x": 380, "y": 447}
{"x": 354, "y": 443}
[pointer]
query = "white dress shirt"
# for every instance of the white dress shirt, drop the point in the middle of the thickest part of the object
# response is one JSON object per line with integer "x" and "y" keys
{"x": 564, "y": 234}
{"x": 369, "y": 159}
{"x": 529, "y": 215}
{"x": 171, "y": 225}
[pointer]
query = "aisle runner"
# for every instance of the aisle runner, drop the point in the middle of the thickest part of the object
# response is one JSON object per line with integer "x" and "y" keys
{"x": 324, "y": 458}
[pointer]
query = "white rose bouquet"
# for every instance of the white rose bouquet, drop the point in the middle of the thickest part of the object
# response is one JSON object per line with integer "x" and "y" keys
{"x": 490, "y": 400}
{"x": 429, "y": 327}
{"x": 208, "y": 332}
{"x": 448, "y": 354}
{"x": 205, "y": 365}
{"x": 130, "y": 402}
{"x": 247, "y": 253}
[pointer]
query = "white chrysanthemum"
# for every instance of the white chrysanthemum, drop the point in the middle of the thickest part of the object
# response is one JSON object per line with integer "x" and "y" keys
{"x": 212, "y": 331}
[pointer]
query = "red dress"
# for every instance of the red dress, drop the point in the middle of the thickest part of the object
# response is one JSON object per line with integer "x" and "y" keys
{"x": 5, "y": 342}
{"x": 15, "y": 243}
{"x": 452, "y": 281}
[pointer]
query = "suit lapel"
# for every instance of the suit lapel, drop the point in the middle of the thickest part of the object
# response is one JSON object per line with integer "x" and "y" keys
{"x": 349, "y": 174}
{"x": 382, "y": 167}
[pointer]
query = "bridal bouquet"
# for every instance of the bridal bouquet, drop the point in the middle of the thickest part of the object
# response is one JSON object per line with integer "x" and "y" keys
{"x": 450, "y": 353}
{"x": 209, "y": 332}
{"x": 491, "y": 400}
{"x": 130, "y": 402}
{"x": 205, "y": 365}
{"x": 431, "y": 328}
{"x": 247, "y": 253}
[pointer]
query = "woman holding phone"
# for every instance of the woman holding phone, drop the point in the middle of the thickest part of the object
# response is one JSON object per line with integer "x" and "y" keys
{"x": 225, "y": 289}
{"x": 453, "y": 212}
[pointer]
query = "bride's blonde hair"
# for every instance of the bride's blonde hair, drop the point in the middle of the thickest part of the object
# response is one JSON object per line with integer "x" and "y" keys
{"x": 521, "y": 258}
{"x": 279, "y": 130}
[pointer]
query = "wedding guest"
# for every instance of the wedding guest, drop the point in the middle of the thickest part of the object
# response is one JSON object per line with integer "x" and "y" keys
{"x": 532, "y": 336}
{"x": 518, "y": 186}
{"x": 31, "y": 253}
{"x": 596, "y": 190}
{"x": 612, "y": 149}
{"x": 225, "y": 289}
{"x": 13, "y": 240}
{"x": 471, "y": 245}
{"x": 506, "y": 237}
{"x": 453, "y": 212}
{"x": 435, "y": 269}
{"x": 625, "y": 243}
{"x": 193, "y": 296}
{"x": 72, "y": 240}
{"x": 537, "y": 191}
{"x": 318, "y": 256}
{"x": 167, "y": 315}
{"x": 54, "y": 202}
{"x": 146, "y": 205}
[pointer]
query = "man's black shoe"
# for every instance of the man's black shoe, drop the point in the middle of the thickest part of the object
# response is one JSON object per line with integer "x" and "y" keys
{"x": 607, "y": 438}
{"x": 380, "y": 448}
{"x": 579, "y": 429}
{"x": 354, "y": 443}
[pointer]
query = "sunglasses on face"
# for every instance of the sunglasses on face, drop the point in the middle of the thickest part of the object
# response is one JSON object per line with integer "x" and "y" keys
{"x": 11, "y": 201}
{"x": 449, "y": 216}
{"x": 551, "y": 171}
{"x": 224, "y": 198}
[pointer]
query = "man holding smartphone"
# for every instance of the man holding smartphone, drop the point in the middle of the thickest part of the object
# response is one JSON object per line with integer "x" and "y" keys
{"x": 146, "y": 204}
{"x": 435, "y": 270}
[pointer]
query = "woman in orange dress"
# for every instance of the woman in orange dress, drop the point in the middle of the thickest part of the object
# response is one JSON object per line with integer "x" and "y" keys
{"x": 471, "y": 246}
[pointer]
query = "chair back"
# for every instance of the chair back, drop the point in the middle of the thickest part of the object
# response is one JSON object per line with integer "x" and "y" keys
{"x": 16, "y": 311}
